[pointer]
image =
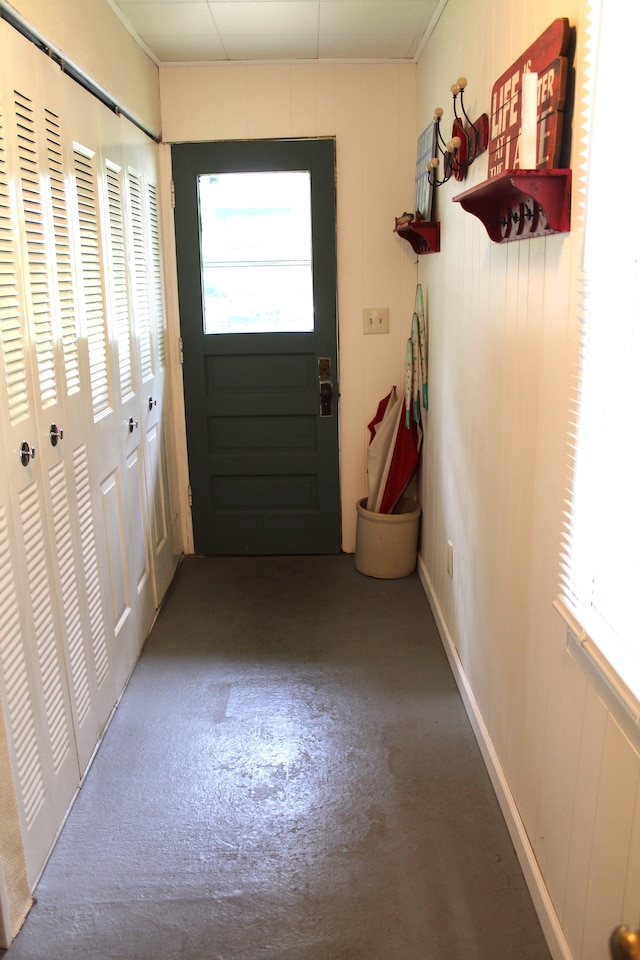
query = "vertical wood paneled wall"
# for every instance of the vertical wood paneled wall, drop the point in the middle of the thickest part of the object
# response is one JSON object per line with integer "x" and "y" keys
{"x": 503, "y": 361}
{"x": 88, "y": 512}
{"x": 90, "y": 35}
{"x": 370, "y": 110}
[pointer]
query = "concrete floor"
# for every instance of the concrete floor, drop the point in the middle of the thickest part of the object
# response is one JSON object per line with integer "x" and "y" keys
{"x": 290, "y": 776}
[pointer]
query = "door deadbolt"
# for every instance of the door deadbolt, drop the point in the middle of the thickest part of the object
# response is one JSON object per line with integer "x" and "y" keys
{"x": 324, "y": 368}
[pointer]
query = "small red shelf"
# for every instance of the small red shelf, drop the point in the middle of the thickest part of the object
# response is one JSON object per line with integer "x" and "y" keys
{"x": 423, "y": 235}
{"x": 521, "y": 204}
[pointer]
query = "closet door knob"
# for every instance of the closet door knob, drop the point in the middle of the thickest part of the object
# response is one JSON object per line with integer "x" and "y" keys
{"x": 133, "y": 424}
{"x": 152, "y": 403}
{"x": 55, "y": 434}
{"x": 27, "y": 453}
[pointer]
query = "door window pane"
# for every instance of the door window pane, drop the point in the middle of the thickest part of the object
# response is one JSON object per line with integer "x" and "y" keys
{"x": 255, "y": 249}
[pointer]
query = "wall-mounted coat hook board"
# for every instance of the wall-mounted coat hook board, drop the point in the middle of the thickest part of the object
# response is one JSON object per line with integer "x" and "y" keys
{"x": 423, "y": 235}
{"x": 521, "y": 204}
{"x": 527, "y": 194}
{"x": 468, "y": 140}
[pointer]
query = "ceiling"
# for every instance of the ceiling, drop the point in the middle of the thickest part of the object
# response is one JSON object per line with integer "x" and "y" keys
{"x": 187, "y": 31}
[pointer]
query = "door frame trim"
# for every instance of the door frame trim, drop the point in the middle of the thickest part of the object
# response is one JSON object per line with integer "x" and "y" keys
{"x": 174, "y": 365}
{"x": 174, "y": 362}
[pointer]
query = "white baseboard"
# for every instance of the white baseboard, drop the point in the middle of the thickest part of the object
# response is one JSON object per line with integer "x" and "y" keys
{"x": 549, "y": 921}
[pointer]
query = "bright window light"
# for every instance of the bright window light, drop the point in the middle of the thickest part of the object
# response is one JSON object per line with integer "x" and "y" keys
{"x": 602, "y": 557}
{"x": 255, "y": 248}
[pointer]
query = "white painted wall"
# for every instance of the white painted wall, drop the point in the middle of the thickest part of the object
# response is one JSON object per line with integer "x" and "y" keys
{"x": 92, "y": 36}
{"x": 370, "y": 109}
{"x": 503, "y": 354}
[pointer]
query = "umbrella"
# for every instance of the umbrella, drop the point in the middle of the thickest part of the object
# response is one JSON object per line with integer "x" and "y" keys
{"x": 423, "y": 345}
{"x": 382, "y": 429}
{"x": 396, "y": 440}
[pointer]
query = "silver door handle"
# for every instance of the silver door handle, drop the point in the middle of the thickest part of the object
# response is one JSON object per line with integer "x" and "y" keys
{"x": 27, "y": 453}
{"x": 55, "y": 434}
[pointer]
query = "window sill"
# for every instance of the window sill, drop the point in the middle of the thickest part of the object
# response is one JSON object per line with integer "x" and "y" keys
{"x": 617, "y": 696}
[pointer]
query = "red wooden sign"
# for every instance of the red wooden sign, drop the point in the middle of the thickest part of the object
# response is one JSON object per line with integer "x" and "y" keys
{"x": 546, "y": 57}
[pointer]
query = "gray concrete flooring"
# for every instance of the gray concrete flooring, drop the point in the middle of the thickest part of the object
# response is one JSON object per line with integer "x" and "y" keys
{"x": 291, "y": 775}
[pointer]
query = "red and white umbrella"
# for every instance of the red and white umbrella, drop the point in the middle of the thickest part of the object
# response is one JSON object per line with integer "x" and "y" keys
{"x": 396, "y": 429}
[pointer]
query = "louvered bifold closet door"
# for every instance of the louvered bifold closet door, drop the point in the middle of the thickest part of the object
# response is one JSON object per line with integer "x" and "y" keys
{"x": 83, "y": 492}
{"x": 150, "y": 327}
{"x": 73, "y": 507}
{"x": 33, "y": 672}
{"x": 117, "y": 461}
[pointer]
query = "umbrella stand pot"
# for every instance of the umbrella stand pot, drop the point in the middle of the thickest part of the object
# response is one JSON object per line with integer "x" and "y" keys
{"x": 387, "y": 543}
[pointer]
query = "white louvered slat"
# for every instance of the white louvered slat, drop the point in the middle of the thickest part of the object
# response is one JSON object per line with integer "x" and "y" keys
{"x": 42, "y": 606}
{"x": 90, "y": 567}
{"x": 119, "y": 287}
{"x": 19, "y": 706}
{"x": 142, "y": 318}
{"x": 11, "y": 333}
{"x": 70, "y": 597}
{"x": 63, "y": 260}
{"x": 34, "y": 232}
{"x": 91, "y": 276}
{"x": 157, "y": 280}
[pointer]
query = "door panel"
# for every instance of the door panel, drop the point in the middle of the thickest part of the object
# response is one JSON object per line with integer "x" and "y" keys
{"x": 31, "y": 130}
{"x": 159, "y": 531}
{"x": 263, "y": 462}
{"x": 155, "y": 413}
{"x": 34, "y": 690}
{"x": 115, "y": 527}
{"x": 145, "y": 269}
{"x": 136, "y": 517}
{"x": 98, "y": 215}
{"x": 88, "y": 555}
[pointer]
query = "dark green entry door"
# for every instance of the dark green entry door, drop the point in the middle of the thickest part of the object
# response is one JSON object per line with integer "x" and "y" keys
{"x": 256, "y": 255}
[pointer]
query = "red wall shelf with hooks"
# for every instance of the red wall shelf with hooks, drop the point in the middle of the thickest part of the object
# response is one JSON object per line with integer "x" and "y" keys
{"x": 423, "y": 235}
{"x": 520, "y": 204}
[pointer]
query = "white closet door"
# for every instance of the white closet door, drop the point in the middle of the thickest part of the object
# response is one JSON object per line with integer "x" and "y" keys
{"x": 158, "y": 422}
{"x": 74, "y": 524}
{"x": 117, "y": 462}
{"x": 34, "y": 684}
{"x": 150, "y": 323}
{"x": 52, "y": 322}
{"x": 60, "y": 404}
{"x": 85, "y": 545}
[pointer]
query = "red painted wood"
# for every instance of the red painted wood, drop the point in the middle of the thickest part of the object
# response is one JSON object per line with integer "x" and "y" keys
{"x": 472, "y": 144}
{"x": 546, "y": 57}
{"x": 423, "y": 235}
{"x": 520, "y": 204}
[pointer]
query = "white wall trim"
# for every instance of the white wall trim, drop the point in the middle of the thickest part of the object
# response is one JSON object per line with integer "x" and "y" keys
{"x": 173, "y": 352}
{"x": 549, "y": 921}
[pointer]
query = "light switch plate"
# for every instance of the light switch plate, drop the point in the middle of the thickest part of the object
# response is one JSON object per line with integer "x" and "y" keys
{"x": 375, "y": 319}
